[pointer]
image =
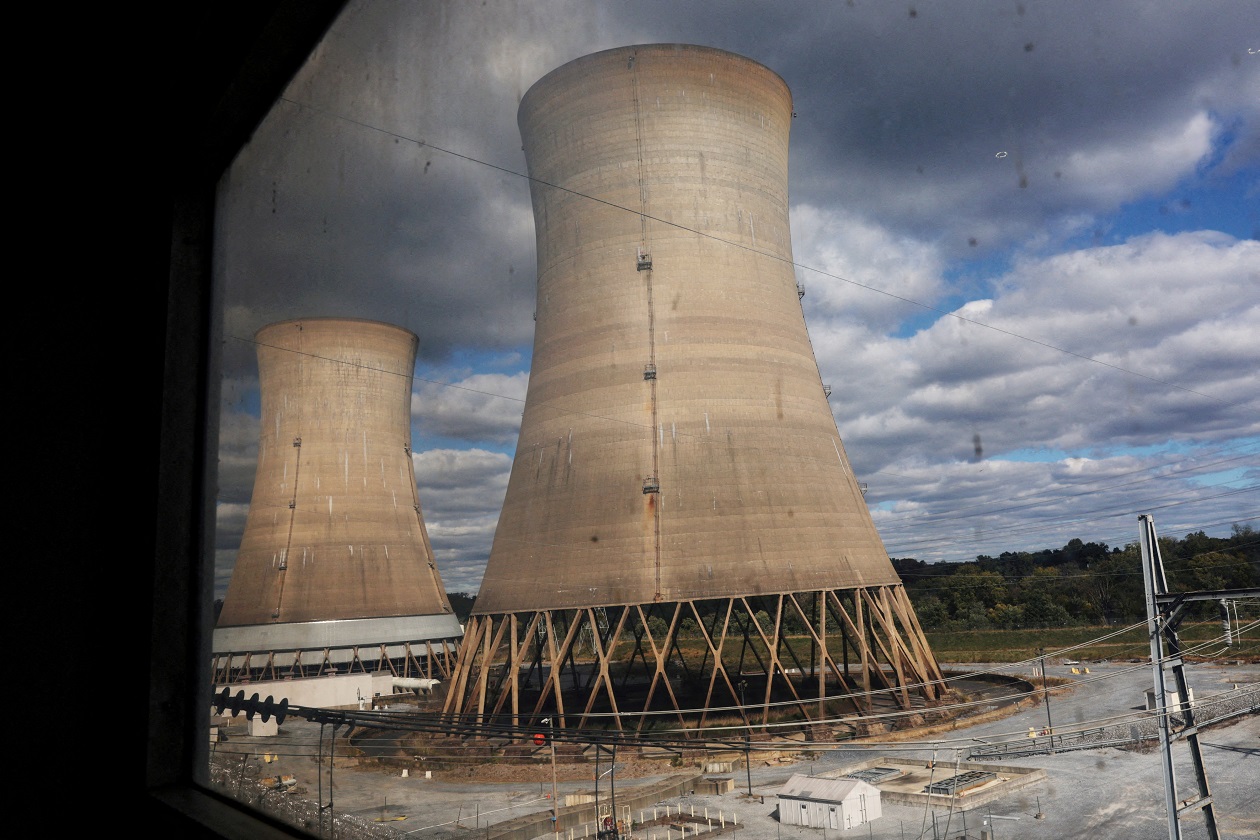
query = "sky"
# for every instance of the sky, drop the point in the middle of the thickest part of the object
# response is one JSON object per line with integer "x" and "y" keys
{"x": 1028, "y": 233}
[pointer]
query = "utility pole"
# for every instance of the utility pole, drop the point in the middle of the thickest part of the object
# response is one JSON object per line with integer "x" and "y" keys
{"x": 612, "y": 828}
{"x": 606, "y": 826}
{"x": 1163, "y": 615}
{"x": 747, "y": 747}
{"x": 555, "y": 804}
{"x": 1045, "y": 693}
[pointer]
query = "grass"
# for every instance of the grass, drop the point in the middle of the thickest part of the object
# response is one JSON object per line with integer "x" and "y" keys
{"x": 1064, "y": 642}
{"x": 963, "y": 646}
{"x": 1018, "y": 645}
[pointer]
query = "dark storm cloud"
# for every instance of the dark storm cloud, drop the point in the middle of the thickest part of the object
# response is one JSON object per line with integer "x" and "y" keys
{"x": 427, "y": 251}
{"x": 920, "y": 109}
{"x": 904, "y": 118}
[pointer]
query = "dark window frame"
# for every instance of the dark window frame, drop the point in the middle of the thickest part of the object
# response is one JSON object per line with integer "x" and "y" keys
{"x": 218, "y": 68}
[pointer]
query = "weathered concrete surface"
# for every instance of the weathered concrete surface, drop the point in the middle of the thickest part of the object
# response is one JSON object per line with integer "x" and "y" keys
{"x": 335, "y": 552}
{"x": 695, "y": 375}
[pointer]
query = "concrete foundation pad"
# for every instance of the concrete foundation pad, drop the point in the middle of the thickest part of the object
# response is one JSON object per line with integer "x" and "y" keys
{"x": 915, "y": 776}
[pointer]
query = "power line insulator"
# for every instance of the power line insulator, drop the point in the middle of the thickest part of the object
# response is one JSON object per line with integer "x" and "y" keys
{"x": 266, "y": 709}
{"x": 272, "y": 709}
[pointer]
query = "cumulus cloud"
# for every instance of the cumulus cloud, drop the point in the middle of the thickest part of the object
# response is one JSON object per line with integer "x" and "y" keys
{"x": 1137, "y": 346}
{"x": 482, "y": 407}
{"x": 957, "y": 511}
{"x": 856, "y": 270}
{"x": 461, "y": 492}
{"x": 1108, "y": 174}
{"x": 1107, "y": 340}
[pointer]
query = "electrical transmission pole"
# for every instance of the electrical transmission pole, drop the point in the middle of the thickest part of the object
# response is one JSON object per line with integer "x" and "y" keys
{"x": 1163, "y": 615}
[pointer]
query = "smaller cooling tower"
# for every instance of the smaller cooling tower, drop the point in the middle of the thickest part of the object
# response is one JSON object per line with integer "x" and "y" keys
{"x": 335, "y": 570}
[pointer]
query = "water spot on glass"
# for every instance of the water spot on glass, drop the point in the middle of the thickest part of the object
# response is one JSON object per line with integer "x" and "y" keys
{"x": 1000, "y": 155}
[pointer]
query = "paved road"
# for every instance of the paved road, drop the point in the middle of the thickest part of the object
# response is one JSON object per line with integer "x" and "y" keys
{"x": 1106, "y": 793}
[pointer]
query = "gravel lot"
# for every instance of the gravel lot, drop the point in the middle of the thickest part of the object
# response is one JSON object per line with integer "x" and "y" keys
{"x": 1106, "y": 792}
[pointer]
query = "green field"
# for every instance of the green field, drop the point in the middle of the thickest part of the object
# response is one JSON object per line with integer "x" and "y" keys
{"x": 1084, "y": 643}
{"x": 1203, "y": 638}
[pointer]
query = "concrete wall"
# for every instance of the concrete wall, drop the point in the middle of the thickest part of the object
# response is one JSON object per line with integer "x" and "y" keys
{"x": 344, "y": 691}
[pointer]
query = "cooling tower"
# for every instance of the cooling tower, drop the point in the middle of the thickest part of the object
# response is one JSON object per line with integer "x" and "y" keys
{"x": 335, "y": 570}
{"x": 678, "y": 458}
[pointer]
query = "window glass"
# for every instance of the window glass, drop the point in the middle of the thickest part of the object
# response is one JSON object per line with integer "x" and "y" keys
{"x": 1025, "y": 234}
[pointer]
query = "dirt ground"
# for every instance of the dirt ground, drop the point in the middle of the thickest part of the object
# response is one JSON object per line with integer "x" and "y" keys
{"x": 541, "y": 771}
{"x": 452, "y": 761}
{"x": 1108, "y": 791}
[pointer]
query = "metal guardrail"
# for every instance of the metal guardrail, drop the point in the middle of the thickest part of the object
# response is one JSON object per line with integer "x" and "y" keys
{"x": 1208, "y": 711}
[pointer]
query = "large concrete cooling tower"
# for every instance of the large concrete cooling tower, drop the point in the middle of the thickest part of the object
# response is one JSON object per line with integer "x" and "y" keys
{"x": 335, "y": 570}
{"x": 680, "y": 498}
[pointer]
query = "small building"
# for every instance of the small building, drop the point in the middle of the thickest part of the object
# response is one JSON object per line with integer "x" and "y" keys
{"x": 817, "y": 802}
{"x": 1173, "y": 701}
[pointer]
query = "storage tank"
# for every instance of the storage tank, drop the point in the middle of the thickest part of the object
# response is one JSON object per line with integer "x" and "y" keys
{"x": 335, "y": 569}
{"x": 677, "y": 445}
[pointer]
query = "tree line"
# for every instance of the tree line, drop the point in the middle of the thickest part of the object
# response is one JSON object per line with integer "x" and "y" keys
{"x": 1079, "y": 584}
